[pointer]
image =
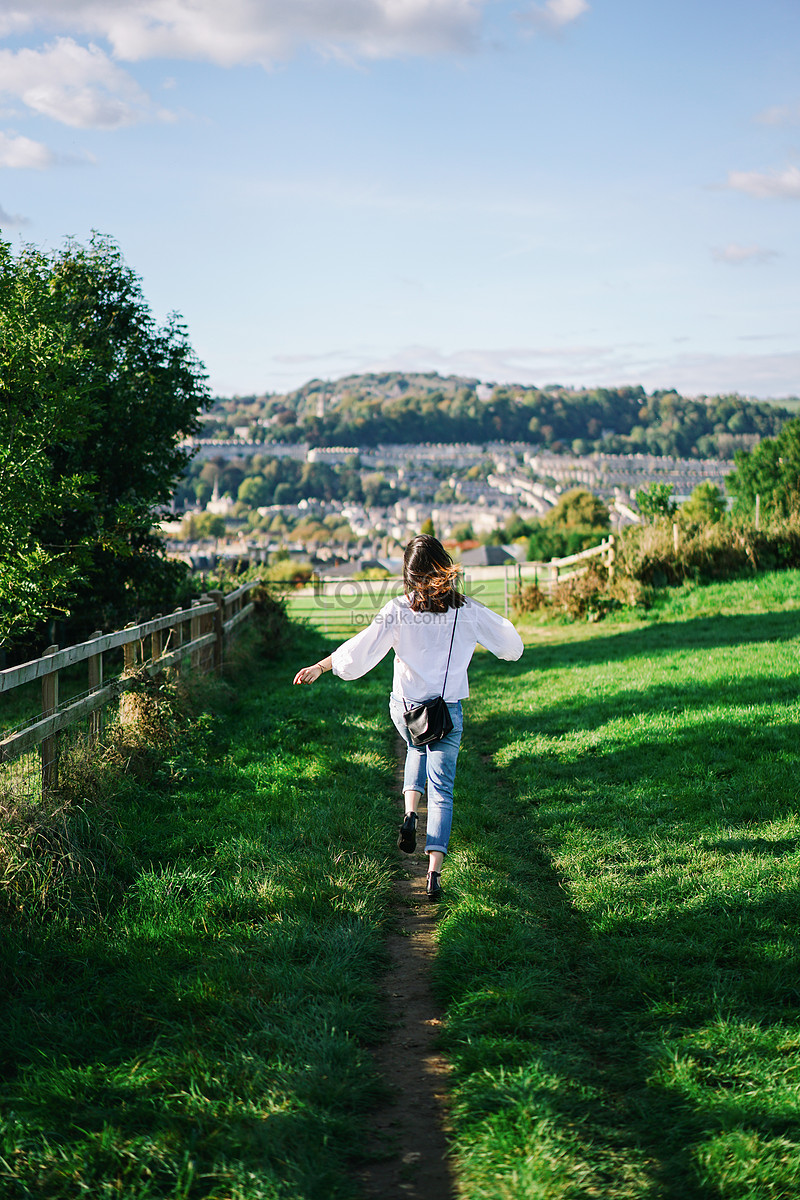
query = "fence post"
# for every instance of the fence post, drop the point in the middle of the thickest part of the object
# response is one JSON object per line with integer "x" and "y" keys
{"x": 505, "y": 589}
{"x": 217, "y": 621}
{"x": 156, "y": 643}
{"x": 186, "y": 632}
{"x": 758, "y": 510}
{"x": 49, "y": 747}
{"x": 196, "y": 627}
{"x": 676, "y": 536}
{"x": 95, "y": 683}
{"x": 207, "y": 625}
{"x": 127, "y": 706}
{"x": 611, "y": 557}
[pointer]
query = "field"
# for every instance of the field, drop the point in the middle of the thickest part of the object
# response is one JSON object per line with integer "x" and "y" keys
{"x": 617, "y": 960}
{"x": 344, "y": 607}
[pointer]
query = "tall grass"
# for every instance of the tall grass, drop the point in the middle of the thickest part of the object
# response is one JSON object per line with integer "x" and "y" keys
{"x": 708, "y": 551}
{"x": 202, "y": 1030}
{"x": 618, "y": 956}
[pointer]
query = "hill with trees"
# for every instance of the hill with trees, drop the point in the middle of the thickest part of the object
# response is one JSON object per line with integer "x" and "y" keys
{"x": 407, "y": 408}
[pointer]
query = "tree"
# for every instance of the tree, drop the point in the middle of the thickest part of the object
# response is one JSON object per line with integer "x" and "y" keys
{"x": 95, "y": 400}
{"x": 427, "y": 527}
{"x": 40, "y": 402}
{"x": 771, "y": 471}
{"x": 656, "y": 501}
{"x": 705, "y": 506}
{"x": 200, "y": 526}
{"x": 579, "y": 509}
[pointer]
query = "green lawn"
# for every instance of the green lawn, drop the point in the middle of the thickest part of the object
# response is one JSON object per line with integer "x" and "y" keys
{"x": 344, "y": 607}
{"x": 198, "y": 1027}
{"x": 618, "y": 954}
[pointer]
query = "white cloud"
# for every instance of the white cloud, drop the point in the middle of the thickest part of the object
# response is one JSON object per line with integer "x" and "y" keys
{"x": 772, "y": 374}
{"x": 736, "y": 254}
{"x": 555, "y": 14}
{"x": 77, "y": 85}
{"x": 780, "y": 114}
{"x": 260, "y": 30}
{"x": 11, "y": 220}
{"x": 767, "y": 185}
{"x": 23, "y": 152}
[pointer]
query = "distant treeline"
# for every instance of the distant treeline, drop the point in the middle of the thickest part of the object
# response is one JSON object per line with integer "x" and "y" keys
{"x": 370, "y": 409}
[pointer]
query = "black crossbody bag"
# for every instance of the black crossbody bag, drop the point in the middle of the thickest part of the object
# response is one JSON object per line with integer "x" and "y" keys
{"x": 431, "y": 721}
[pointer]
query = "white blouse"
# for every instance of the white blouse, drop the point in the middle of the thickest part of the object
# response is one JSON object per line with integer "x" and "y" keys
{"x": 421, "y": 642}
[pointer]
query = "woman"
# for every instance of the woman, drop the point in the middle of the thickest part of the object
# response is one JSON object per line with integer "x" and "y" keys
{"x": 433, "y": 631}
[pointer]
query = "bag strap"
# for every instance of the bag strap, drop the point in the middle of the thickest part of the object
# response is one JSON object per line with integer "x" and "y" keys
{"x": 450, "y": 651}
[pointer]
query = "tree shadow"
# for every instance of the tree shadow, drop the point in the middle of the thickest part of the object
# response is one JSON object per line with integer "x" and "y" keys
{"x": 661, "y": 637}
{"x": 601, "y": 999}
{"x": 129, "y": 1044}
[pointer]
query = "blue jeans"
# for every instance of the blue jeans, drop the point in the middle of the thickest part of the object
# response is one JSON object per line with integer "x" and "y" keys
{"x": 437, "y": 764}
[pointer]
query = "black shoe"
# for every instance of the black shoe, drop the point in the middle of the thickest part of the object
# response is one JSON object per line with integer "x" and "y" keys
{"x": 434, "y": 888}
{"x": 407, "y": 841}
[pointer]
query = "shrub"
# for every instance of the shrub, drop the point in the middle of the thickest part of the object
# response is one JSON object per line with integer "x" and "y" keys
{"x": 528, "y": 598}
{"x": 586, "y": 595}
{"x": 708, "y": 552}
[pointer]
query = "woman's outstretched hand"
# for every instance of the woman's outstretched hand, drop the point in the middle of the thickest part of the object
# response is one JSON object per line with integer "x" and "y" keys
{"x": 309, "y": 674}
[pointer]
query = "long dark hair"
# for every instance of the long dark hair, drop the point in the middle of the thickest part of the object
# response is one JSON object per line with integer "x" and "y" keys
{"x": 430, "y": 576}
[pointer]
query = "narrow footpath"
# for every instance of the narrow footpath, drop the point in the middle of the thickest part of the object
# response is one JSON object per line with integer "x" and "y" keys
{"x": 413, "y": 1125}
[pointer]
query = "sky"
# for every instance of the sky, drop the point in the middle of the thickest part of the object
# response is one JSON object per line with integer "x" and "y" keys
{"x": 584, "y": 192}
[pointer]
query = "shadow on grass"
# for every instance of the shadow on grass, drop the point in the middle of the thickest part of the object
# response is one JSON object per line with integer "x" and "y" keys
{"x": 662, "y": 637}
{"x": 215, "y": 1020}
{"x": 576, "y": 1013}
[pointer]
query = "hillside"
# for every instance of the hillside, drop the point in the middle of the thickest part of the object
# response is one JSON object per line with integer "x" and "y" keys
{"x": 394, "y": 407}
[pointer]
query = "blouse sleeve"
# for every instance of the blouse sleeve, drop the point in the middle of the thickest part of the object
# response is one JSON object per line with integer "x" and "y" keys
{"x": 361, "y": 653}
{"x": 497, "y": 633}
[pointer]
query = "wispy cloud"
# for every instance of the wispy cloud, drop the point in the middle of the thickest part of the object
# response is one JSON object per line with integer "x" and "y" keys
{"x": 24, "y": 152}
{"x": 770, "y": 374}
{"x": 11, "y": 220}
{"x": 554, "y": 14}
{"x": 242, "y": 31}
{"x": 767, "y": 185}
{"x": 736, "y": 255}
{"x": 76, "y": 85}
{"x": 780, "y": 114}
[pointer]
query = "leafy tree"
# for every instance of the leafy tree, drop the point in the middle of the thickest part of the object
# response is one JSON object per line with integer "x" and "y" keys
{"x": 95, "y": 400}
{"x": 203, "y": 525}
{"x": 41, "y": 402}
{"x": 427, "y": 527}
{"x": 656, "y": 501}
{"x": 705, "y": 506}
{"x": 771, "y": 470}
{"x": 579, "y": 509}
{"x": 254, "y": 491}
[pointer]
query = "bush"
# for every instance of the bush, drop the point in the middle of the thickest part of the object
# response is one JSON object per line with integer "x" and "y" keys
{"x": 708, "y": 552}
{"x": 528, "y": 598}
{"x": 584, "y": 596}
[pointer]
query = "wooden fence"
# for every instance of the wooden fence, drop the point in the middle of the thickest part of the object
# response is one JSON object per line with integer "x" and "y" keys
{"x": 341, "y": 606}
{"x": 549, "y": 575}
{"x": 198, "y": 633}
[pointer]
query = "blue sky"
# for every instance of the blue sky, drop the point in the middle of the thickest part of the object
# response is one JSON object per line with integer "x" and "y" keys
{"x": 576, "y": 191}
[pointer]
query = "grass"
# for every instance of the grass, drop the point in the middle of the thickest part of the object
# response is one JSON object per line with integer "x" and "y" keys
{"x": 202, "y": 1029}
{"x": 618, "y": 956}
{"x": 349, "y": 605}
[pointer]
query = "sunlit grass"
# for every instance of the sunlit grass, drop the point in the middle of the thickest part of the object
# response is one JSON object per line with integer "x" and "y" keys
{"x": 619, "y": 954}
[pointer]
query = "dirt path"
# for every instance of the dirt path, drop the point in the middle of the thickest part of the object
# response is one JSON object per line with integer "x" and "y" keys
{"x": 412, "y": 1126}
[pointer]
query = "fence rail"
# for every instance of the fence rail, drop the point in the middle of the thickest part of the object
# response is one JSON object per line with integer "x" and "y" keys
{"x": 198, "y": 633}
{"x": 341, "y": 606}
